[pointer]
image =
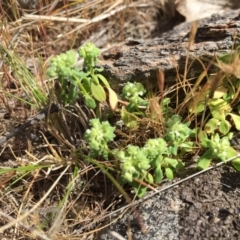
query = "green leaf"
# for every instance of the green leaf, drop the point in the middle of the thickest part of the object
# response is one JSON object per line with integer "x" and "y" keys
{"x": 71, "y": 58}
{"x": 158, "y": 174}
{"x": 180, "y": 164}
{"x": 127, "y": 176}
{"x": 90, "y": 102}
{"x": 80, "y": 74}
{"x": 217, "y": 102}
{"x": 236, "y": 120}
{"x": 197, "y": 107}
{"x": 103, "y": 79}
{"x": 169, "y": 173}
{"x": 205, "y": 160}
{"x": 72, "y": 95}
{"x": 186, "y": 147}
{"x": 227, "y": 58}
{"x": 149, "y": 178}
{"x": 219, "y": 108}
{"x": 231, "y": 152}
{"x": 130, "y": 120}
{"x": 171, "y": 161}
{"x": 211, "y": 125}
{"x": 86, "y": 84}
{"x": 220, "y": 92}
{"x": 204, "y": 163}
{"x": 98, "y": 92}
{"x": 95, "y": 79}
{"x": 51, "y": 72}
{"x": 202, "y": 136}
{"x": 140, "y": 191}
{"x": 173, "y": 149}
{"x": 224, "y": 127}
{"x": 236, "y": 164}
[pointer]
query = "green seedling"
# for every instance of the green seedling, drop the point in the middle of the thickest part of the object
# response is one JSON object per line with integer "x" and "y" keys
{"x": 133, "y": 93}
{"x": 75, "y": 82}
{"x": 133, "y": 162}
{"x": 148, "y": 164}
{"x": 219, "y": 109}
{"x": 179, "y": 134}
{"x": 158, "y": 157}
{"x": 215, "y": 148}
{"x": 98, "y": 137}
{"x": 161, "y": 159}
{"x": 220, "y": 104}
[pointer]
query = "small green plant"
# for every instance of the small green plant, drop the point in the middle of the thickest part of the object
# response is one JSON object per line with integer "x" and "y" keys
{"x": 149, "y": 164}
{"x": 157, "y": 158}
{"x": 133, "y": 92}
{"x": 98, "y": 137}
{"x": 215, "y": 148}
{"x": 75, "y": 82}
{"x": 221, "y": 98}
{"x": 133, "y": 162}
{"x": 178, "y": 133}
{"x": 220, "y": 109}
{"x": 215, "y": 137}
{"x": 220, "y": 104}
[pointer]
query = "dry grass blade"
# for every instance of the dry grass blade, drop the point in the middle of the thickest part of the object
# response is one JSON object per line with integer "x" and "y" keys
{"x": 22, "y": 217}
{"x": 232, "y": 67}
{"x": 193, "y": 90}
{"x": 117, "y": 235}
{"x": 193, "y": 32}
{"x": 35, "y": 233}
{"x": 160, "y": 82}
{"x": 215, "y": 83}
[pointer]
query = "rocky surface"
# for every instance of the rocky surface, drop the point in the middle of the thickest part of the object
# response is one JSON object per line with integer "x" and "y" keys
{"x": 139, "y": 60}
{"x": 206, "y": 207}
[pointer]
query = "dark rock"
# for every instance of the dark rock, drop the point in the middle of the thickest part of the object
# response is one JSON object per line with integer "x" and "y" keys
{"x": 140, "y": 60}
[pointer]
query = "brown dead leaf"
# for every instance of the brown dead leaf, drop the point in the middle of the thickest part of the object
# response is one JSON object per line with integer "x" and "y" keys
{"x": 113, "y": 99}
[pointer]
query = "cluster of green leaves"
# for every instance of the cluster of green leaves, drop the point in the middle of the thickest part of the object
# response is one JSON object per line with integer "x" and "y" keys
{"x": 74, "y": 81}
{"x": 133, "y": 92}
{"x": 157, "y": 158}
{"x": 178, "y": 133}
{"x": 98, "y": 137}
{"x": 216, "y": 147}
{"x": 215, "y": 136}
